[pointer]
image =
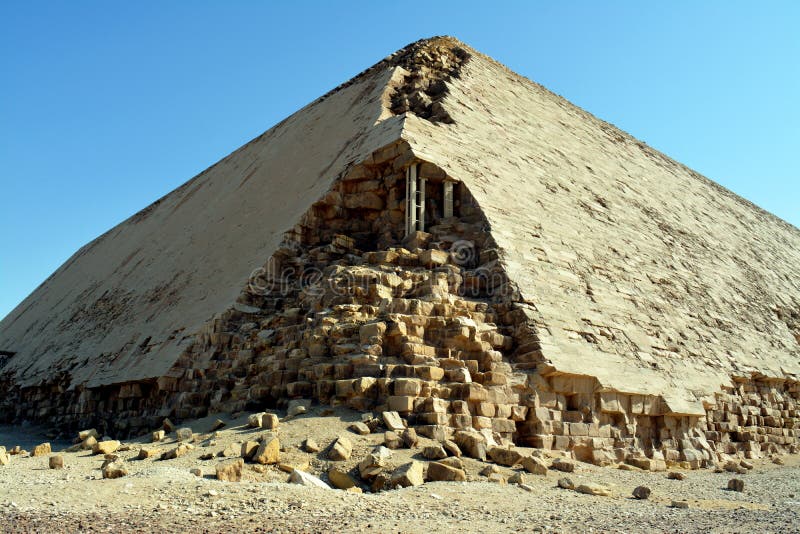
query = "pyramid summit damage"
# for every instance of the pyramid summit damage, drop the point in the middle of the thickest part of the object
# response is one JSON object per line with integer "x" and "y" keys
{"x": 445, "y": 239}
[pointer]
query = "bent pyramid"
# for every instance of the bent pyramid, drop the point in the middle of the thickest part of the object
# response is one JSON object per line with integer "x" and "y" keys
{"x": 443, "y": 238}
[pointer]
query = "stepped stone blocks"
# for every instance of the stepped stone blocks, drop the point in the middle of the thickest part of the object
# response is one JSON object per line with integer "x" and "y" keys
{"x": 490, "y": 309}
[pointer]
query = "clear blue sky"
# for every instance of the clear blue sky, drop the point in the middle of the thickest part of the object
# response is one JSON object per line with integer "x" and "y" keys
{"x": 106, "y": 106}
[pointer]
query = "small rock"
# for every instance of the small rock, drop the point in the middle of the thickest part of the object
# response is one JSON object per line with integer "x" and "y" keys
{"x": 269, "y": 421}
{"x": 254, "y": 420}
{"x": 168, "y": 425}
{"x": 564, "y": 465}
{"x": 453, "y": 461}
{"x": 340, "y": 479}
{"x": 83, "y": 434}
{"x": 230, "y": 471}
{"x": 359, "y": 428}
{"x": 206, "y": 456}
{"x": 641, "y": 492}
{"x": 489, "y": 470}
{"x": 42, "y": 450}
{"x": 434, "y": 452}
{"x": 497, "y": 478}
{"x": 676, "y": 475}
{"x": 410, "y": 438}
{"x": 502, "y": 456}
{"x": 306, "y": 479}
{"x": 438, "y": 471}
{"x": 533, "y": 465}
{"x": 114, "y": 470}
{"x": 517, "y": 478}
{"x": 258, "y": 468}
{"x": 289, "y": 467}
{"x": 410, "y": 474}
{"x": 106, "y": 447}
{"x": 196, "y": 471}
{"x": 177, "y": 452}
{"x": 472, "y": 444}
{"x": 391, "y": 440}
{"x": 736, "y": 484}
{"x": 372, "y": 465}
{"x": 5, "y": 458}
{"x": 593, "y": 489}
{"x": 309, "y": 445}
{"x": 56, "y": 462}
{"x": 268, "y": 452}
{"x": 157, "y": 436}
{"x": 379, "y": 483}
{"x": 680, "y": 504}
{"x": 777, "y": 460}
{"x": 248, "y": 450}
{"x": 341, "y": 449}
{"x": 219, "y": 423}
{"x": 297, "y": 407}
{"x": 144, "y": 453}
{"x": 566, "y": 483}
{"x": 393, "y": 421}
{"x": 747, "y": 465}
{"x": 451, "y": 448}
{"x": 232, "y": 451}
{"x": 183, "y": 434}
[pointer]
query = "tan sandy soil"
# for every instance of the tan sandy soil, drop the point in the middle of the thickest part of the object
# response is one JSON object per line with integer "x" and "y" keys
{"x": 162, "y": 495}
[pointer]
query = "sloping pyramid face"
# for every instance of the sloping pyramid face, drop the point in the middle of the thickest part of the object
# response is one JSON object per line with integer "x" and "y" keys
{"x": 442, "y": 238}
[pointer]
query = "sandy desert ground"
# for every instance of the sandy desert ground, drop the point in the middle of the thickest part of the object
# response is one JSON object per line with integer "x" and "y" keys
{"x": 162, "y": 495}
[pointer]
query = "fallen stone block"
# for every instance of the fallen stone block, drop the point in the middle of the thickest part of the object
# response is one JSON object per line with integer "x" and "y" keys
{"x": 563, "y": 465}
{"x": 56, "y": 462}
{"x": 341, "y": 449}
{"x": 472, "y": 444}
{"x": 83, "y": 434}
{"x": 249, "y": 449}
{"x": 391, "y": 440}
{"x": 41, "y": 450}
{"x": 593, "y": 489}
{"x": 641, "y": 492}
{"x": 183, "y": 434}
{"x": 502, "y": 456}
{"x": 269, "y": 421}
{"x": 114, "y": 470}
{"x": 434, "y": 452}
{"x": 268, "y": 452}
{"x": 309, "y": 445}
{"x": 230, "y": 471}
{"x": 106, "y": 447}
{"x": 566, "y": 483}
{"x": 145, "y": 453}
{"x": 359, "y": 428}
{"x": 410, "y": 474}
{"x": 736, "y": 484}
{"x": 306, "y": 479}
{"x": 533, "y": 465}
{"x": 340, "y": 479}
{"x": 438, "y": 471}
{"x": 177, "y": 452}
{"x": 393, "y": 421}
{"x": 254, "y": 420}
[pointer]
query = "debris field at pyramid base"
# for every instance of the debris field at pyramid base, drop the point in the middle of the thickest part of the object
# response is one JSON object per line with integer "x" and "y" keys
{"x": 341, "y": 450}
{"x": 360, "y": 308}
